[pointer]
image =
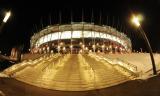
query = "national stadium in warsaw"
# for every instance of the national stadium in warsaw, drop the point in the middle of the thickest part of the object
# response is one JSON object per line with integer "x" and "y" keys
{"x": 80, "y": 58}
{"x": 80, "y": 37}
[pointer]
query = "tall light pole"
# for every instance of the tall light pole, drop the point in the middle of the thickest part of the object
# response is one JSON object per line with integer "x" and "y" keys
{"x": 136, "y": 21}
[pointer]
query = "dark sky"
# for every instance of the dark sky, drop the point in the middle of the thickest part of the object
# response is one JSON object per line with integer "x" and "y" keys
{"x": 26, "y": 14}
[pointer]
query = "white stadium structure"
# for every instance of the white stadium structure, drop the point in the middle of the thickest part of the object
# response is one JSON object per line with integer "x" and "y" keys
{"x": 81, "y": 36}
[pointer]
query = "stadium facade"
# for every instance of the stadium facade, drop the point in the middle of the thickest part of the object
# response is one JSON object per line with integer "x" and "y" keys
{"x": 80, "y": 37}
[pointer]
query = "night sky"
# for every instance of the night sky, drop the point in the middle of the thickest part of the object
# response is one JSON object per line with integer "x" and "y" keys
{"x": 27, "y": 17}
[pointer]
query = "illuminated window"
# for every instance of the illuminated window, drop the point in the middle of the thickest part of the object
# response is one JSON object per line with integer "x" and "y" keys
{"x": 78, "y": 34}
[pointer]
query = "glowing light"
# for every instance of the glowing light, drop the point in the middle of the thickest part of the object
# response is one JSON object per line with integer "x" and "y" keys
{"x": 110, "y": 46}
{"x": 136, "y": 20}
{"x": 80, "y": 51}
{"x": 48, "y": 48}
{"x": 64, "y": 48}
{"x": 59, "y": 47}
{"x": 93, "y": 46}
{"x": 80, "y": 43}
{"x": 103, "y": 46}
{"x": 86, "y": 48}
{"x": 43, "y": 48}
{"x": 83, "y": 46}
{"x": 61, "y": 43}
{"x": 71, "y": 46}
{"x": 8, "y": 14}
{"x": 97, "y": 44}
{"x": 120, "y": 49}
{"x": 107, "y": 48}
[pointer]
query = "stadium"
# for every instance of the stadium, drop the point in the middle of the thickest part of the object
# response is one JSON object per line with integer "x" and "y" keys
{"x": 79, "y": 59}
{"x": 80, "y": 37}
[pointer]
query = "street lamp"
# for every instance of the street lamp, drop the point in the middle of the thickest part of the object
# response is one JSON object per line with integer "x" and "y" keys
{"x": 103, "y": 47}
{"x": 94, "y": 48}
{"x": 136, "y": 21}
{"x": 8, "y": 14}
{"x": 59, "y": 48}
{"x": 71, "y": 47}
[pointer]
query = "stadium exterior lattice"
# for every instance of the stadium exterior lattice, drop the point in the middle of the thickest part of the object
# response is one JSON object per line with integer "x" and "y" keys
{"x": 80, "y": 37}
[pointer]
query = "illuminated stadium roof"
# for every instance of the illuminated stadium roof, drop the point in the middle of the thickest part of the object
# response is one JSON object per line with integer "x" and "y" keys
{"x": 78, "y": 31}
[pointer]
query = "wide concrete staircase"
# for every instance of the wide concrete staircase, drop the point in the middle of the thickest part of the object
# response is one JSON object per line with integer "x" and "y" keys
{"x": 106, "y": 76}
{"x": 71, "y": 72}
